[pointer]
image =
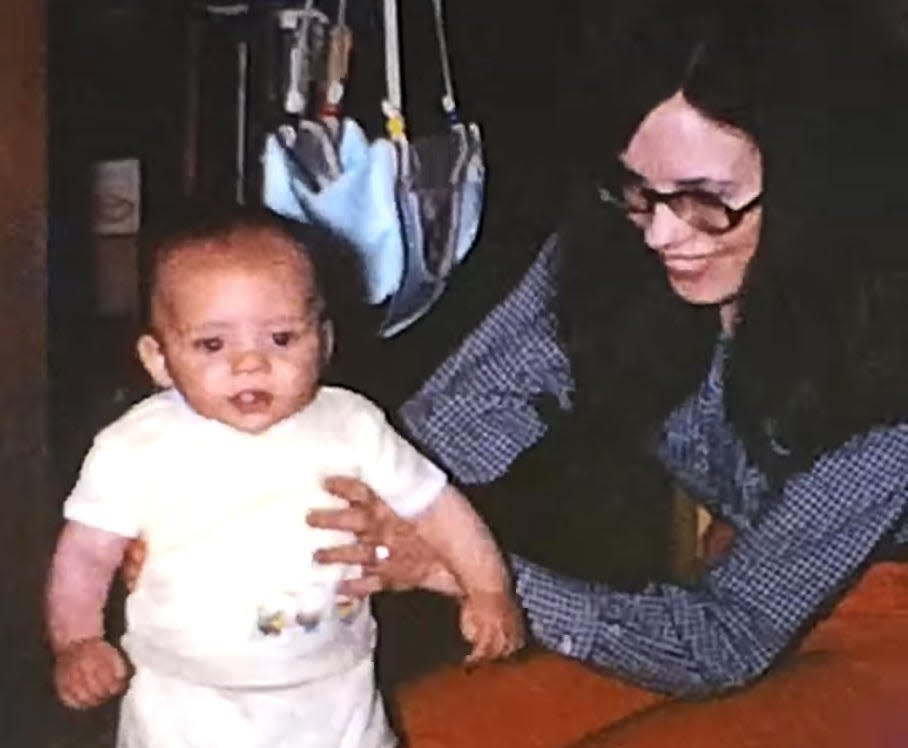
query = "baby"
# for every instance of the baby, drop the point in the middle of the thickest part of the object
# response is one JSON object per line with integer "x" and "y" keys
{"x": 236, "y": 635}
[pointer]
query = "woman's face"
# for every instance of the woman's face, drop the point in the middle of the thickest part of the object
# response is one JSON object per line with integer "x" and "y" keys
{"x": 693, "y": 190}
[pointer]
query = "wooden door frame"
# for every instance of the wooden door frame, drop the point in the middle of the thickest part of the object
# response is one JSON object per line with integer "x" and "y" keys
{"x": 26, "y": 524}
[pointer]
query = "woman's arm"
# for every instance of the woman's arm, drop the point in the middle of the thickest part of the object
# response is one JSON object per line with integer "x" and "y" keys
{"x": 475, "y": 415}
{"x": 812, "y": 539}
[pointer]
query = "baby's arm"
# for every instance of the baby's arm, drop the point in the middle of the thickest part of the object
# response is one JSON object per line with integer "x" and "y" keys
{"x": 490, "y": 618}
{"x": 87, "y": 670}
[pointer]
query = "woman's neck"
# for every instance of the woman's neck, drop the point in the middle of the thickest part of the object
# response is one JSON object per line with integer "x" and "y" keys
{"x": 728, "y": 315}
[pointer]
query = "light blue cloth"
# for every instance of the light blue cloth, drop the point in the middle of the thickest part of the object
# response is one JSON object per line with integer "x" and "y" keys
{"x": 411, "y": 210}
{"x": 359, "y": 205}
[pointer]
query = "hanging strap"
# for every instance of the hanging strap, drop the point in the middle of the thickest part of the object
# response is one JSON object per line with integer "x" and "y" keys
{"x": 340, "y": 41}
{"x": 298, "y": 83}
{"x": 448, "y": 103}
{"x": 392, "y": 106}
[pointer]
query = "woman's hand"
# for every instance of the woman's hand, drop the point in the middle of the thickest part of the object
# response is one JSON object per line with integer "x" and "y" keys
{"x": 392, "y": 555}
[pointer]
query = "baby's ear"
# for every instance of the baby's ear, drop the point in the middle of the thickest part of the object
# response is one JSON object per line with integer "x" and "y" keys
{"x": 326, "y": 336}
{"x": 152, "y": 357}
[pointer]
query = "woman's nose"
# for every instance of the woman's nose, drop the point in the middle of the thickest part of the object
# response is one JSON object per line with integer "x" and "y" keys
{"x": 665, "y": 228}
{"x": 250, "y": 362}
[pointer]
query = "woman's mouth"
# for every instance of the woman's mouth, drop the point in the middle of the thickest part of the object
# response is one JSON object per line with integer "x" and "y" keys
{"x": 251, "y": 401}
{"x": 686, "y": 264}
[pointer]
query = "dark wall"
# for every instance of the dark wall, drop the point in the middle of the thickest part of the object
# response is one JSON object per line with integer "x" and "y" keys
{"x": 25, "y": 514}
{"x": 115, "y": 89}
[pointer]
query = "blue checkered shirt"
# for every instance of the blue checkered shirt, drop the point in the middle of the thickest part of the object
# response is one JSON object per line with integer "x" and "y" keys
{"x": 796, "y": 550}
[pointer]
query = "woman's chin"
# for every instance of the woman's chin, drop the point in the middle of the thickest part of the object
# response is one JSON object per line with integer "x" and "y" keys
{"x": 699, "y": 290}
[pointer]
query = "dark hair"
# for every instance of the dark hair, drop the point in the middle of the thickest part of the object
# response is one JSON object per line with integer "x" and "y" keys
{"x": 338, "y": 273}
{"x": 820, "y": 352}
{"x": 198, "y": 221}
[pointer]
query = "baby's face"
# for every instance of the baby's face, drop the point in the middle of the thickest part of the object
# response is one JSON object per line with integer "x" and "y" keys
{"x": 239, "y": 331}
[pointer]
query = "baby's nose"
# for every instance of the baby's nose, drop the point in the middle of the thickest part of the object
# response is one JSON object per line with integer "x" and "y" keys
{"x": 251, "y": 361}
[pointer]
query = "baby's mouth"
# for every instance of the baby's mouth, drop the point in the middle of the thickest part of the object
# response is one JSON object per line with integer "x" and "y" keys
{"x": 251, "y": 401}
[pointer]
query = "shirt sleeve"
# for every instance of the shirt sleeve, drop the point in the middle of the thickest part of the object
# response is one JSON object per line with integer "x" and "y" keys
{"x": 704, "y": 455}
{"x": 813, "y": 538}
{"x": 103, "y": 496}
{"x": 476, "y": 413}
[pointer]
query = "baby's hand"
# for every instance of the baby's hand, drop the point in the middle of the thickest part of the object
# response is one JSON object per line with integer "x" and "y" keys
{"x": 88, "y": 673}
{"x": 493, "y": 624}
{"x": 134, "y": 558}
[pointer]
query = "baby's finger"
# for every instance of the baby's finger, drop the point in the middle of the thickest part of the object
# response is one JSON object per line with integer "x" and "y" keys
{"x": 468, "y": 629}
{"x": 498, "y": 643}
{"x": 73, "y": 698}
{"x": 483, "y": 646}
{"x": 111, "y": 676}
{"x": 136, "y": 551}
{"x": 115, "y": 687}
{"x": 78, "y": 692}
{"x": 518, "y": 641}
{"x": 474, "y": 656}
{"x": 513, "y": 638}
{"x": 119, "y": 667}
{"x": 480, "y": 653}
{"x": 511, "y": 645}
{"x": 502, "y": 645}
{"x": 66, "y": 692}
{"x": 97, "y": 679}
{"x": 133, "y": 561}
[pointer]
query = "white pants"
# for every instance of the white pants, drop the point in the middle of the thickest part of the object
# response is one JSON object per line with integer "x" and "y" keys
{"x": 341, "y": 711}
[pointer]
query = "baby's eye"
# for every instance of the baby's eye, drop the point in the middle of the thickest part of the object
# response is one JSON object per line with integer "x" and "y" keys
{"x": 284, "y": 337}
{"x": 209, "y": 345}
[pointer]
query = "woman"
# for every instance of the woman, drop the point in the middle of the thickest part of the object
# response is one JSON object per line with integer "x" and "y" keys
{"x": 755, "y": 157}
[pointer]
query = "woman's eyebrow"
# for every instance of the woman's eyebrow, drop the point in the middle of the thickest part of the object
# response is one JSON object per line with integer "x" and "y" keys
{"x": 629, "y": 173}
{"x": 699, "y": 183}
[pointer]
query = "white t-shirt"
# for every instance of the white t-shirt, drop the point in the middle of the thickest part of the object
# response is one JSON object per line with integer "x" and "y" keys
{"x": 223, "y": 513}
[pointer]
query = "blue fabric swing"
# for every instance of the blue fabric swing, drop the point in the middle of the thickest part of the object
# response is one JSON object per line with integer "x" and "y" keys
{"x": 412, "y": 209}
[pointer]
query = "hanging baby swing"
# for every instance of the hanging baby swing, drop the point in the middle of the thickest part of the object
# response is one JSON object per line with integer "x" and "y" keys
{"x": 410, "y": 208}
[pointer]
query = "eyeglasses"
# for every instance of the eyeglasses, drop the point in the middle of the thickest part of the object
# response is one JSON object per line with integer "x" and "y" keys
{"x": 704, "y": 211}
